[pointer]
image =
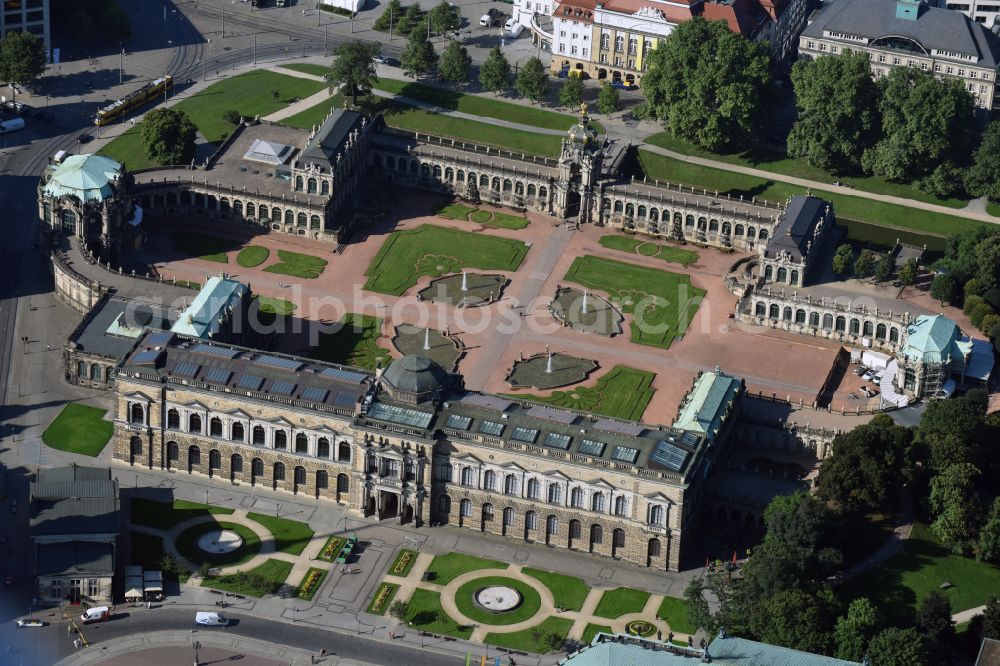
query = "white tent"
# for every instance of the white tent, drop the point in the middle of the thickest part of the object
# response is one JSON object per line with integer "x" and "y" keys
{"x": 874, "y": 360}
{"x": 133, "y": 594}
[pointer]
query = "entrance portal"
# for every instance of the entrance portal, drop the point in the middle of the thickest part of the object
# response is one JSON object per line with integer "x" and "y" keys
{"x": 389, "y": 503}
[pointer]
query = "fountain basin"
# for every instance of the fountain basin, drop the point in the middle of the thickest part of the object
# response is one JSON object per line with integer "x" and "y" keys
{"x": 219, "y": 542}
{"x": 497, "y": 598}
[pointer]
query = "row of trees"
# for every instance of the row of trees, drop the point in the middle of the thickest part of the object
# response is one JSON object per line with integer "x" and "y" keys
{"x": 440, "y": 19}
{"x": 870, "y": 264}
{"x": 969, "y": 276}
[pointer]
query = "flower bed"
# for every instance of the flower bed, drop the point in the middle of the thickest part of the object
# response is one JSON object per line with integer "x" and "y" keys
{"x": 383, "y": 597}
{"x": 331, "y": 549}
{"x": 311, "y": 583}
{"x": 403, "y": 563}
{"x": 640, "y": 628}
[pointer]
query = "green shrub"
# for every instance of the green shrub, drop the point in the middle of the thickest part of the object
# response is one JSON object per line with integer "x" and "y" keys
{"x": 232, "y": 116}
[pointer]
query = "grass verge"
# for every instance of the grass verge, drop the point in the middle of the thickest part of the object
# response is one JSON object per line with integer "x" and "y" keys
{"x": 425, "y": 613}
{"x": 202, "y": 246}
{"x": 547, "y": 636}
{"x": 592, "y": 630}
{"x": 290, "y": 536}
{"x": 568, "y": 592}
{"x": 621, "y": 601}
{"x": 649, "y": 249}
{"x": 252, "y": 255}
{"x": 298, "y": 265}
{"x": 623, "y": 393}
{"x": 446, "y": 568}
{"x": 354, "y": 343}
{"x": 79, "y": 429}
{"x": 675, "y": 612}
{"x": 278, "y": 306}
{"x": 264, "y": 579}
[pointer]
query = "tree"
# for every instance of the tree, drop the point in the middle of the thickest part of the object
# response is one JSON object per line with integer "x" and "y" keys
{"x": 866, "y": 467}
{"x": 898, "y": 647}
{"x": 991, "y": 619}
{"x": 471, "y": 191}
{"x": 990, "y": 325}
{"x": 411, "y": 20}
{"x": 944, "y": 288}
{"x": 884, "y": 267}
{"x": 353, "y": 70}
{"x": 987, "y": 260}
{"x": 232, "y": 116}
{"x": 168, "y": 135}
{"x": 865, "y": 265}
{"x": 455, "y": 63}
{"x": 954, "y": 431}
{"x": 533, "y": 81}
{"x": 419, "y": 57}
{"x": 705, "y": 83}
{"x": 837, "y": 102}
{"x": 908, "y": 273}
{"x": 571, "y": 93}
{"x": 843, "y": 259}
{"x": 926, "y": 121}
{"x": 205, "y": 570}
{"x": 795, "y": 619}
{"x": 979, "y": 313}
{"x": 854, "y": 630}
{"x": 956, "y": 506}
{"x": 983, "y": 178}
{"x": 989, "y": 535}
{"x": 934, "y": 618}
{"x": 390, "y": 17}
{"x": 698, "y": 610}
{"x": 946, "y": 181}
{"x": 22, "y": 58}
{"x": 494, "y": 74}
{"x": 444, "y": 16}
{"x": 397, "y": 609}
{"x": 607, "y": 101}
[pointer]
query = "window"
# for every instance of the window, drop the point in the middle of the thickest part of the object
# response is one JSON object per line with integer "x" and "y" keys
{"x": 619, "y": 62}
{"x": 280, "y": 440}
{"x": 833, "y": 49}
{"x": 444, "y": 472}
{"x": 896, "y": 61}
{"x": 465, "y": 508}
{"x": 950, "y": 71}
{"x": 562, "y": 33}
{"x": 572, "y": 50}
{"x": 604, "y": 58}
{"x": 508, "y": 517}
{"x": 575, "y": 36}
{"x": 584, "y": 53}
{"x": 555, "y": 493}
{"x": 923, "y": 66}
{"x": 194, "y": 423}
{"x": 605, "y": 40}
{"x": 237, "y": 431}
{"x": 656, "y": 515}
{"x": 619, "y": 44}
{"x": 576, "y": 498}
{"x": 301, "y": 443}
{"x": 468, "y": 477}
{"x": 510, "y": 485}
{"x": 810, "y": 45}
{"x": 972, "y": 74}
{"x": 489, "y": 480}
{"x": 531, "y": 521}
{"x": 215, "y": 427}
{"x": 597, "y": 503}
{"x": 961, "y": 72}
{"x": 444, "y": 504}
{"x": 137, "y": 414}
{"x": 323, "y": 447}
{"x": 173, "y": 420}
{"x": 937, "y": 68}
{"x": 93, "y": 587}
{"x": 822, "y": 47}
{"x": 390, "y": 468}
{"x": 621, "y": 506}
{"x": 258, "y": 436}
{"x": 552, "y": 525}
{"x": 633, "y": 46}
{"x": 533, "y": 489}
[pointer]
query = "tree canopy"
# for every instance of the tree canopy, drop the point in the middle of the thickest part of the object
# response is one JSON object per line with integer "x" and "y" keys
{"x": 444, "y": 16}
{"x": 957, "y": 507}
{"x": 837, "y": 103}
{"x": 571, "y": 93}
{"x": 983, "y": 177}
{"x": 855, "y": 630}
{"x": 353, "y": 70}
{"x": 954, "y": 431}
{"x": 705, "y": 83}
{"x": 898, "y": 647}
{"x": 607, "y": 101}
{"x": 22, "y": 58}
{"x": 843, "y": 259}
{"x": 168, "y": 136}
{"x": 865, "y": 265}
{"x": 533, "y": 80}
{"x": 494, "y": 74}
{"x": 418, "y": 57}
{"x": 455, "y": 63}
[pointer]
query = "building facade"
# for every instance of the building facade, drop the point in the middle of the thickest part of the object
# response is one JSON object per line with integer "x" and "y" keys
{"x": 985, "y": 12}
{"x": 410, "y": 444}
{"x": 27, "y": 16}
{"x": 908, "y": 33}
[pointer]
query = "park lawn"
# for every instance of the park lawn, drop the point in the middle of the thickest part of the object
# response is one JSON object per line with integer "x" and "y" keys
{"x": 298, "y": 265}
{"x": 252, "y": 255}
{"x": 622, "y": 393}
{"x": 901, "y": 582}
{"x": 445, "y": 568}
{"x": 845, "y": 206}
{"x": 592, "y": 630}
{"x": 568, "y": 592}
{"x": 316, "y": 114}
{"x": 675, "y": 612}
{"x": 128, "y": 149}
{"x": 481, "y": 216}
{"x": 648, "y": 249}
{"x": 186, "y": 544}
{"x": 547, "y": 636}
{"x": 377, "y": 607}
{"x": 481, "y": 105}
{"x": 425, "y": 613}
{"x": 290, "y": 536}
{"x": 354, "y": 343}
{"x": 275, "y": 305}
{"x": 79, "y": 429}
{"x": 531, "y": 601}
{"x": 203, "y": 246}
{"x": 453, "y": 211}
{"x": 505, "y": 221}
{"x": 782, "y": 164}
{"x": 266, "y": 578}
{"x": 165, "y": 515}
{"x": 318, "y": 575}
{"x": 621, "y": 601}
{"x": 307, "y": 68}
{"x": 668, "y": 300}
{"x": 429, "y": 250}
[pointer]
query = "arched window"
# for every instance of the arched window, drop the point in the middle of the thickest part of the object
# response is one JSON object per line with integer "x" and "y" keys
{"x": 465, "y": 508}
{"x": 814, "y": 319}
{"x": 774, "y": 312}
{"x": 828, "y": 321}
{"x": 543, "y": 192}
{"x": 496, "y": 183}
{"x": 713, "y": 225}
{"x": 782, "y": 274}
{"x": 654, "y": 215}
{"x": 251, "y": 210}
{"x": 484, "y": 181}
{"x": 596, "y": 534}
{"x": 855, "y": 326}
{"x": 508, "y": 517}
{"x": 893, "y": 334}
{"x": 298, "y": 183}
{"x": 301, "y": 219}
{"x": 519, "y": 188}
{"x": 576, "y": 498}
{"x": 468, "y": 477}
{"x": 868, "y": 328}
{"x": 299, "y": 475}
{"x": 194, "y": 423}
{"x": 555, "y": 493}
{"x": 258, "y": 436}
{"x": 279, "y": 472}
{"x": 654, "y": 548}
{"x": 531, "y": 189}
{"x": 344, "y": 452}
{"x": 621, "y": 506}
{"x": 437, "y": 171}
{"x": 256, "y": 467}
{"x": 173, "y": 451}
{"x": 508, "y": 185}
{"x": 449, "y": 174}
{"x": 314, "y": 222}
{"x": 236, "y": 463}
{"x": 173, "y": 419}
{"x": 739, "y": 230}
{"x": 762, "y": 235}
{"x": 324, "y": 188}
{"x": 641, "y": 212}
{"x": 841, "y": 324}
{"x": 301, "y": 443}
{"x": 727, "y": 228}
{"x": 194, "y": 456}
{"x": 689, "y": 221}
{"x": 533, "y": 489}
{"x": 322, "y": 480}
{"x": 460, "y": 175}
{"x": 760, "y": 309}
{"x": 311, "y": 186}
{"x": 487, "y": 511}
{"x": 323, "y": 447}
{"x": 629, "y": 210}
{"x": 619, "y": 206}
{"x": 214, "y": 459}
{"x": 880, "y": 332}
{"x": 531, "y": 521}
{"x": 574, "y": 529}
{"x": 800, "y": 316}
{"x": 215, "y": 427}
{"x": 280, "y": 440}
{"x": 551, "y": 525}
{"x": 137, "y": 414}
{"x": 489, "y": 480}
{"x": 795, "y": 277}
{"x": 237, "y": 432}
{"x": 597, "y": 502}
{"x": 656, "y": 515}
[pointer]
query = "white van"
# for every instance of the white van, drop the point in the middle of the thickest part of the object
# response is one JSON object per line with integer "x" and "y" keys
{"x": 11, "y": 125}
{"x": 509, "y": 25}
{"x": 210, "y": 619}
{"x": 96, "y": 614}
{"x": 485, "y": 20}
{"x": 515, "y": 30}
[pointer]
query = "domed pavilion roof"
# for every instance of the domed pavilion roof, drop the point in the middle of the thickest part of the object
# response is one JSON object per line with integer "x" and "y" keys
{"x": 414, "y": 374}
{"x": 86, "y": 177}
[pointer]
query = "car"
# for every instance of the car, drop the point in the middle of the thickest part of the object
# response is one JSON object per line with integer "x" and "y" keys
{"x": 378, "y": 60}
{"x": 509, "y": 25}
{"x": 622, "y": 85}
{"x": 30, "y": 622}
{"x": 485, "y": 20}
{"x": 868, "y": 376}
{"x": 84, "y": 138}
{"x": 392, "y": 62}
{"x": 877, "y": 379}
{"x": 563, "y": 73}
{"x": 860, "y": 370}
{"x": 210, "y": 619}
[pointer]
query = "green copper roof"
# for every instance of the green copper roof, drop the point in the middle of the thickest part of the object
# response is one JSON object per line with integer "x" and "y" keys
{"x": 706, "y": 404}
{"x": 934, "y": 338}
{"x": 86, "y": 177}
{"x": 733, "y": 651}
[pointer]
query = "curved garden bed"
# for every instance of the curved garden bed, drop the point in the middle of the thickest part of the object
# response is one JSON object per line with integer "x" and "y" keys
{"x": 530, "y": 601}
{"x": 187, "y": 544}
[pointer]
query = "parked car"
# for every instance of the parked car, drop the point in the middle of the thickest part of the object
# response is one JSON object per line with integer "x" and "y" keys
{"x": 210, "y": 619}
{"x": 877, "y": 379}
{"x": 31, "y": 622}
{"x": 509, "y": 24}
{"x": 622, "y": 85}
{"x": 563, "y": 73}
{"x": 868, "y": 376}
{"x": 860, "y": 370}
{"x": 84, "y": 138}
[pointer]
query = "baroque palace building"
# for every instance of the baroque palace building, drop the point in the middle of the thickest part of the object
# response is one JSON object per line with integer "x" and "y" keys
{"x": 410, "y": 443}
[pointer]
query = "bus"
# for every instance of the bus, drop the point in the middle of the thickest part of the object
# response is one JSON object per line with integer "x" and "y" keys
{"x": 139, "y": 98}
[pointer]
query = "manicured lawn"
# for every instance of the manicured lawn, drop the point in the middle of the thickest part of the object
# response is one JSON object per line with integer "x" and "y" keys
{"x": 382, "y": 599}
{"x": 165, "y": 515}
{"x": 331, "y": 549}
{"x": 902, "y": 581}
{"x": 354, "y": 343}
{"x": 623, "y": 393}
{"x": 290, "y": 536}
{"x": 275, "y": 305}
{"x": 311, "y": 582}
{"x": 128, "y": 149}
{"x": 621, "y": 601}
{"x": 505, "y": 221}
{"x": 425, "y": 613}
{"x": 303, "y": 266}
{"x": 403, "y": 563}
{"x": 264, "y": 579}
{"x": 457, "y": 211}
{"x": 649, "y": 249}
{"x": 592, "y": 630}
{"x": 530, "y": 601}
{"x": 316, "y": 114}
{"x": 252, "y": 255}
{"x": 543, "y": 637}
{"x": 446, "y": 568}
{"x": 79, "y": 429}
{"x": 434, "y": 251}
{"x": 675, "y": 612}
{"x": 454, "y": 211}
{"x": 786, "y": 166}
{"x": 308, "y": 68}
{"x": 187, "y": 544}
{"x": 209, "y": 248}
{"x": 486, "y": 107}
{"x": 567, "y": 592}
{"x": 481, "y": 216}
{"x": 663, "y": 304}
{"x": 846, "y": 207}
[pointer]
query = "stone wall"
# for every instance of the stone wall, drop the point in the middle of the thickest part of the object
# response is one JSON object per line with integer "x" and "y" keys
{"x": 74, "y": 289}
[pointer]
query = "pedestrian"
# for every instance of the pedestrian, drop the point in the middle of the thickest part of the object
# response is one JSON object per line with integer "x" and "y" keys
{"x": 48, "y": 347}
